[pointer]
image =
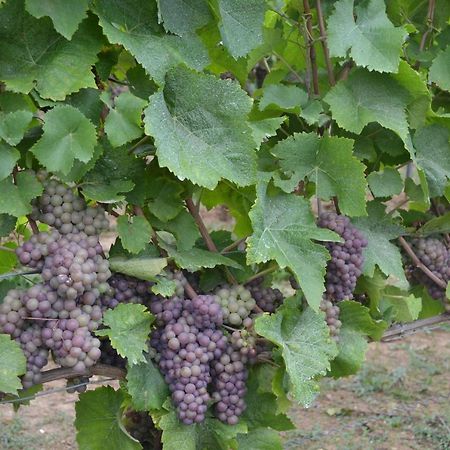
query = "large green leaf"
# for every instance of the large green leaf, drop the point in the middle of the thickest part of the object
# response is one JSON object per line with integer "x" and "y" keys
{"x": 260, "y": 439}
{"x": 440, "y": 70}
{"x": 144, "y": 268}
{"x": 98, "y": 421}
{"x": 68, "y": 135}
{"x": 134, "y": 25}
{"x": 371, "y": 39}
{"x": 128, "y": 329}
{"x": 66, "y": 15}
{"x": 12, "y": 364}
{"x": 282, "y": 97}
{"x": 146, "y": 386}
{"x": 305, "y": 345}
{"x": 200, "y": 130}
{"x": 385, "y": 183}
{"x": 240, "y": 24}
{"x": 284, "y": 230}
{"x": 123, "y": 123}
{"x": 33, "y": 54}
{"x": 329, "y": 163}
{"x": 15, "y": 198}
{"x": 369, "y": 97}
{"x": 432, "y": 145}
{"x": 379, "y": 230}
{"x": 165, "y": 198}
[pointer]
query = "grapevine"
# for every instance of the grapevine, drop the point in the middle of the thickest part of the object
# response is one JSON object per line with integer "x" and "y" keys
{"x": 167, "y": 171}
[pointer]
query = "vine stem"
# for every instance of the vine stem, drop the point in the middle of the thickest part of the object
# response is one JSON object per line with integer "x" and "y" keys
{"x": 430, "y": 18}
{"x": 192, "y": 208}
{"x": 7, "y": 249}
{"x": 323, "y": 40}
{"x": 398, "y": 331}
{"x": 312, "y": 50}
{"x": 68, "y": 373}
{"x": 234, "y": 245}
{"x": 261, "y": 274}
{"x": 419, "y": 264}
{"x": 138, "y": 143}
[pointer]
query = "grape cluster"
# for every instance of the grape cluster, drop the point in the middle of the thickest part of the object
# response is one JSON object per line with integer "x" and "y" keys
{"x": 331, "y": 317}
{"x": 109, "y": 355}
{"x": 59, "y": 314}
{"x": 77, "y": 384}
{"x": 436, "y": 256}
{"x": 346, "y": 262}
{"x": 189, "y": 345}
{"x": 266, "y": 298}
{"x": 125, "y": 289}
{"x": 237, "y": 303}
{"x": 68, "y": 213}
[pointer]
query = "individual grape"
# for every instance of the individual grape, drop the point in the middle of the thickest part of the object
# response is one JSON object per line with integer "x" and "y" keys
{"x": 267, "y": 298}
{"x": 434, "y": 254}
{"x": 345, "y": 265}
{"x": 331, "y": 317}
{"x": 78, "y": 384}
{"x": 237, "y": 303}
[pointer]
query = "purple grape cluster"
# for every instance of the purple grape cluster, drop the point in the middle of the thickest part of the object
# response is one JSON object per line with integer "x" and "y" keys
{"x": 109, "y": 355}
{"x": 436, "y": 256}
{"x": 347, "y": 259}
{"x": 331, "y": 317}
{"x": 68, "y": 213}
{"x": 189, "y": 344}
{"x": 267, "y": 298}
{"x": 59, "y": 314}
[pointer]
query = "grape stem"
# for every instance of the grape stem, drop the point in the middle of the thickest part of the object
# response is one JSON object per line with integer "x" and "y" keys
{"x": 7, "y": 249}
{"x": 234, "y": 245}
{"x": 261, "y": 274}
{"x": 398, "y": 331}
{"x": 68, "y": 373}
{"x": 323, "y": 41}
{"x": 419, "y": 264}
{"x": 310, "y": 42}
{"x": 4, "y": 276}
{"x": 205, "y": 235}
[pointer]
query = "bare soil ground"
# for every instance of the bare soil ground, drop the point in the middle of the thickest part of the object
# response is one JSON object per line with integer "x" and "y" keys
{"x": 399, "y": 401}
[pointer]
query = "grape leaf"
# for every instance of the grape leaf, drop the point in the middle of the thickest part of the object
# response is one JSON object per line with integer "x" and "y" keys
{"x": 371, "y": 39}
{"x": 8, "y": 158}
{"x": 98, "y": 422}
{"x": 33, "y": 54}
{"x": 264, "y": 128}
{"x": 432, "y": 145}
{"x": 379, "y": 230}
{"x": 240, "y": 24}
{"x": 329, "y": 163}
{"x": 211, "y": 434}
{"x": 12, "y": 364}
{"x": 195, "y": 258}
{"x": 146, "y": 386}
{"x": 260, "y": 439}
{"x": 369, "y": 97}
{"x": 128, "y": 329}
{"x": 8, "y": 260}
{"x": 165, "y": 198}
{"x": 183, "y": 17}
{"x": 7, "y": 224}
{"x": 15, "y": 198}
{"x": 261, "y": 410}
{"x": 385, "y": 183}
{"x": 68, "y": 135}
{"x": 440, "y": 70}
{"x": 284, "y": 229}
{"x": 285, "y": 98}
{"x": 356, "y": 325}
{"x": 144, "y": 268}
{"x": 403, "y": 306}
{"x": 134, "y": 25}
{"x": 440, "y": 224}
{"x": 134, "y": 232}
{"x": 200, "y": 130}
{"x": 13, "y": 125}
{"x": 66, "y": 15}
{"x": 123, "y": 122}
{"x": 305, "y": 344}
